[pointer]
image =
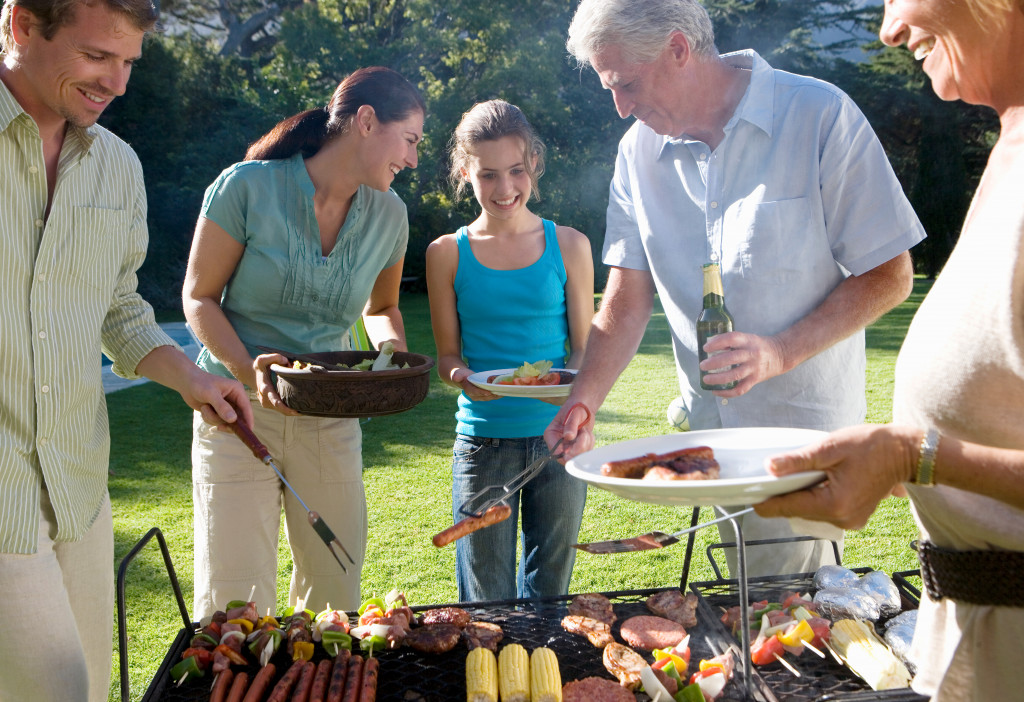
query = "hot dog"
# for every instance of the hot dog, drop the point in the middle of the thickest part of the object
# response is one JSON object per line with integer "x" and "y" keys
{"x": 368, "y": 685}
{"x": 238, "y": 687}
{"x": 321, "y": 680}
{"x": 221, "y": 685}
{"x": 497, "y": 513}
{"x": 305, "y": 684}
{"x": 337, "y": 687}
{"x": 352, "y": 678}
{"x": 285, "y": 684}
{"x": 636, "y": 467}
{"x": 260, "y": 683}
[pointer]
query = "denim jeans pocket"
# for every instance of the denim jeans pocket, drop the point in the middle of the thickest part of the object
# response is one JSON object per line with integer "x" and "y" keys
{"x": 467, "y": 446}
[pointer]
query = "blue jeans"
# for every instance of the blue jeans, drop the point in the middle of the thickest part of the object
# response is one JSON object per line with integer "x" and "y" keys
{"x": 552, "y": 509}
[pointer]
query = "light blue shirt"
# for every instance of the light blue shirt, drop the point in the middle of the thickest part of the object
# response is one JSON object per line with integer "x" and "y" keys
{"x": 797, "y": 196}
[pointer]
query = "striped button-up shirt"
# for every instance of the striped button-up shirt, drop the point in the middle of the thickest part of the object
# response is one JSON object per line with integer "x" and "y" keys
{"x": 67, "y": 291}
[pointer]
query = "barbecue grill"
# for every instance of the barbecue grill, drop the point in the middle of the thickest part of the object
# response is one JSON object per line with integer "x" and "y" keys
{"x": 409, "y": 676}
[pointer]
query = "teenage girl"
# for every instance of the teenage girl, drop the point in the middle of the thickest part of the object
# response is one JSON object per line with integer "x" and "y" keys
{"x": 508, "y": 288}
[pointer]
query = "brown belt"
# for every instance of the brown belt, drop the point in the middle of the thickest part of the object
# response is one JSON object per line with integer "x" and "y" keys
{"x": 994, "y": 578}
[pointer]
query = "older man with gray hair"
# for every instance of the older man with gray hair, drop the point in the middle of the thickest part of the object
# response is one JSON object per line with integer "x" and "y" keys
{"x": 777, "y": 178}
{"x": 72, "y": 235}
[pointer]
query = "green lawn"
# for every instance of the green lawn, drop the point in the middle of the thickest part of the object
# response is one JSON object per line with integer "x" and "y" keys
{"x": 408, "y": 481}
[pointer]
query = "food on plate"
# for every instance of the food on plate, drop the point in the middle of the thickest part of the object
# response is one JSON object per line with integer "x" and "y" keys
{"x": 497, "y": 513}
{"x": 514, "y": 674}
{"x": 451, "y": 615}
{"x": 595, "y": 689}
{"x": 381, "y": 362}
{"x": 439, "y": 637}
{"x": 597, "y": 632}
{"x": 650, "y": 632}
{"x": 485, "y": 634}
{"x": 693, "y": 463}
{"x": 593, "y": 605}
{"x": 624, "y": 663}
{"x": 538, "y": 373}
{"x": 481, "y": 676}
{"x": 868, "y": 656}
{"x": 672, "y": 604}
{"x": 545, "y": 676}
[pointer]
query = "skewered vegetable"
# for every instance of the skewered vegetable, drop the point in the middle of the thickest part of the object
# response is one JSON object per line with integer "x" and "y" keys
{"x": 867, "y": 656}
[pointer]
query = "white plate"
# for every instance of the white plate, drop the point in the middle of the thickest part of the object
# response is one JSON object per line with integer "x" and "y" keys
{"x": 740, "y": 454}
{"x": 480, "y": 380}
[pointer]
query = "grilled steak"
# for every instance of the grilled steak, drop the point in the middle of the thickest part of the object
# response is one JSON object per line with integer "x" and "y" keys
{"x": 439, "y": 637}
{"x": 485, "y": 634}
{"x": 596, "y": 631}
{"x": 593, "y": 605}
{"x": 671, "y": 604}
{"x": 624, "y": 663}
{"x": 452, "y": 615}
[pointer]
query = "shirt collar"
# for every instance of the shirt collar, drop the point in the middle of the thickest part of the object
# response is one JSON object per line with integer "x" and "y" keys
{"x": 11, "y": 109}
{"x": 757, "y": 103}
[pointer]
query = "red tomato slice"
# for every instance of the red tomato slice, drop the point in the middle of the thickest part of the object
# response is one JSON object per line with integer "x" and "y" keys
{"x": 549, "y": 379}
{"x": 763, "y": 651}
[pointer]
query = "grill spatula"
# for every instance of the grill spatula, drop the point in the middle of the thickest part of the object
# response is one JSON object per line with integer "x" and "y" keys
{"x": 650, "y": 540}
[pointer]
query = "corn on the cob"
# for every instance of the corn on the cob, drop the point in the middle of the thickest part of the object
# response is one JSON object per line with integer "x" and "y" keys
{"x": 545, "y": 677}
{"x": 481, "y": 676}
{"x": 868, "y": 656}
{"x": 514, "y": 674}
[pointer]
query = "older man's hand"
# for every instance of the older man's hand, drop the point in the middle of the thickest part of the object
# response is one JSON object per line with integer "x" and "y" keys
{"x": 745, "y": 358}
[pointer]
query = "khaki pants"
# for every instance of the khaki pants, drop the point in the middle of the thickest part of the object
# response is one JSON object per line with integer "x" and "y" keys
{"x": 237, "y": 502}
{"x": 57, "y": 614}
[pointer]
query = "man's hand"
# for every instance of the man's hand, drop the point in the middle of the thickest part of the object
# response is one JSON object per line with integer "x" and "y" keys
{"x": 746, "y": 358}
{"x": 218, "y": 399}
{"x": 863, "y": 465}
{"x": 574, "y": 426}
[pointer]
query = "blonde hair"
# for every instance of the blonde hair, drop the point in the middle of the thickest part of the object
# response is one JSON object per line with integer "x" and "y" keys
{"x": 991, "y": 11}
{"x": 490, "y": 121}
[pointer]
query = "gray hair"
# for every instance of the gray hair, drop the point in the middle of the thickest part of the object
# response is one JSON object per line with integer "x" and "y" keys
{"x": 640, "y": 28}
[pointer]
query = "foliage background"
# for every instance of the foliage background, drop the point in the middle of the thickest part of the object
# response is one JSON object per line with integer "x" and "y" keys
{"x": 201, "y": 94}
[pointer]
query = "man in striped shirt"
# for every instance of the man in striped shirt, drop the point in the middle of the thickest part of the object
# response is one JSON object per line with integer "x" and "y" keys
{"x": 72, "y": 235}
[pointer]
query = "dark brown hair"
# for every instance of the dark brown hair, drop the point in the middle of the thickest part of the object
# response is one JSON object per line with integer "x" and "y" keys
{"x": 392, "y": 97}
{"x": 54, "y": 14}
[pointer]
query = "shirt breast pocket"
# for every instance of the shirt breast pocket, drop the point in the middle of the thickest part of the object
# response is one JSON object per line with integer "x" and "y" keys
{"x": 777, "y": 240}
{"x": 97, "y": 241}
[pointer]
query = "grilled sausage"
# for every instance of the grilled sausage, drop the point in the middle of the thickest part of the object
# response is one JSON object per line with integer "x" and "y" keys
{"x": 337, "y": 687}
{"x": 321, "y": 680}
{"x": 352, "y": 678}
{"x": 260, "y": 683}
{"x": 305, "y": 684}
{"x": 221, "y": 685}
{"x": 238, "y": 687}
{"x": 285, "y": 684}
{"x": 497, "y": 513}
{"x": 635, "y": 467}
{"x": 368, "y": 684}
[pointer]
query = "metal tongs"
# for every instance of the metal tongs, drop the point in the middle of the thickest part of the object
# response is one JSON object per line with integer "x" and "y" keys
{"x": 515, "y": 484}
{"x": 245, "y": 433}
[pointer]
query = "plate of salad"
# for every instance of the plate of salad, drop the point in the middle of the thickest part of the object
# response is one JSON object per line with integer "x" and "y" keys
{"x": 536, "y": 380}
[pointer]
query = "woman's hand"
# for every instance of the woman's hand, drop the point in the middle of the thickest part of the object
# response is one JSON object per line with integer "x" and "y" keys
{"x": 863, "y": 466}
{"x": 265, "y": 386}
{"x": 460, "y": 378}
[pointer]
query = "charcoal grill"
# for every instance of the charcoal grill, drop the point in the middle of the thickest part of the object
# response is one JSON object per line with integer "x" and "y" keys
{"x": 409, "y": 676}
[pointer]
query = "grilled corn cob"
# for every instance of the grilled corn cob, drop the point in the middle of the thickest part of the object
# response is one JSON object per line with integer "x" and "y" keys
{"x": 481, "y": 676}
{"x": 868, "y": 656}
{"x": 514, "y": 674}
{"x": 545, "y": 678}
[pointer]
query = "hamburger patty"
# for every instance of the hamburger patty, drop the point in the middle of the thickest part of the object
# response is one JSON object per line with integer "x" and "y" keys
{"x": 439, "y": 637}
{"x": 595, "y": 690}
{"x": 649, "y": 633}
{"x": 452, "y": 615}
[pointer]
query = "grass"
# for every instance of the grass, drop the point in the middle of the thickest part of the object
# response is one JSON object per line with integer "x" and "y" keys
{"x": 407, "y": 470}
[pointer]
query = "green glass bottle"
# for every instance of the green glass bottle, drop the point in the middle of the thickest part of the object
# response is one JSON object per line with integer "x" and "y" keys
{"x": 713, "y": 319}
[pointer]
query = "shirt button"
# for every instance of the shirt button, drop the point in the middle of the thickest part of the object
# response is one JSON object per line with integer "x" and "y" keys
{"x": 702, "y": 156}
{"x": 39, "y": 222}
{"x": 33, "y": 169}
{"x": 42, "y": 335}
{"x": 45, "y": 388}
{"x": 41, "y": 277}
{"x": 714, "y": 204}
{"x": 42, "y": 441}
{"x": 315, "y": 297}
{"x": 724, "y": 402}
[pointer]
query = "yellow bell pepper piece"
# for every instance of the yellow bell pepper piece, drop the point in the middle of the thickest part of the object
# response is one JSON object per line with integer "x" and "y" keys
{"x": 801, "y": 632}
{"x": 677, "y": 660}
{"x": 303, "y": 650}
{"x": 244, "y": 623}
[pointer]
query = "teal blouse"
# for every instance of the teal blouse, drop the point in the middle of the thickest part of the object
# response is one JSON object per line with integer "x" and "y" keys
{"x": 284, "y": 293}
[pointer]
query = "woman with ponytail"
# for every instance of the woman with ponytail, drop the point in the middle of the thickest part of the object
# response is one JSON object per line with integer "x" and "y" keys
{"x": 292, "y": 246}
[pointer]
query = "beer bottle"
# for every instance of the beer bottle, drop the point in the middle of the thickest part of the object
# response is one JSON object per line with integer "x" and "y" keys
{"x": 714, "y": 319}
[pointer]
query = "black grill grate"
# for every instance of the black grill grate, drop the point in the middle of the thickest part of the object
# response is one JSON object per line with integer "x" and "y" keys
{"x": 408, "y": 676}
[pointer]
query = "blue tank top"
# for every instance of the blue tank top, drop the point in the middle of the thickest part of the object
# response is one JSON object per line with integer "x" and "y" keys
{"x": 509, "y": 317}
